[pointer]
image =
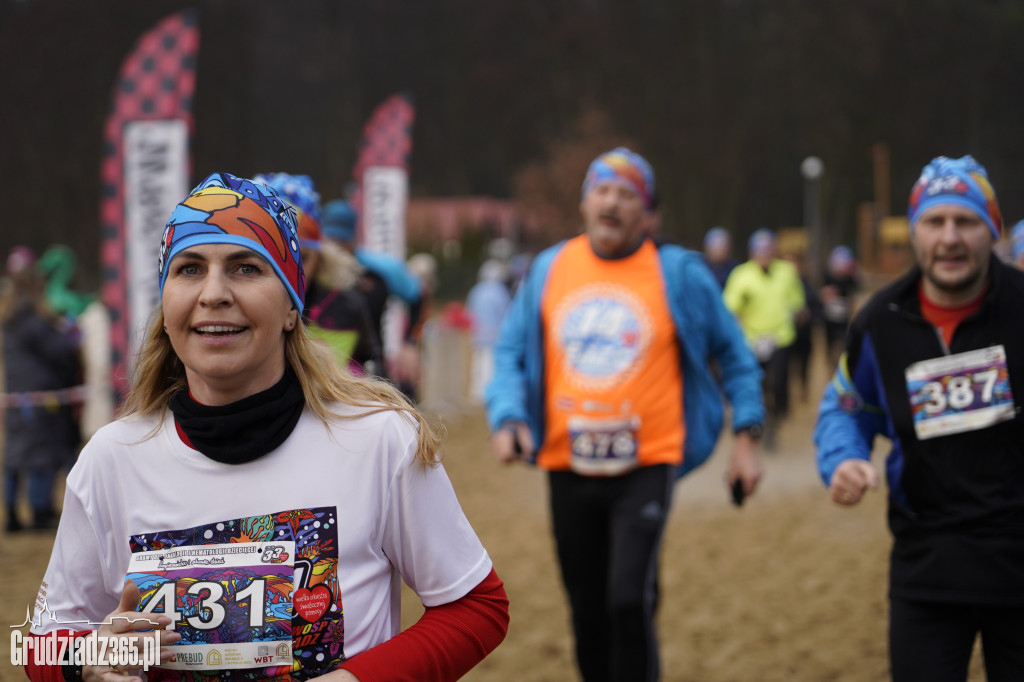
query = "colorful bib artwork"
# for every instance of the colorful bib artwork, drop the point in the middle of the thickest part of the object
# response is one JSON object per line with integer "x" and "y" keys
{"x": 957, "y": 393}
{"x": 232, "y": 604}
{"x": 253, "y": 597}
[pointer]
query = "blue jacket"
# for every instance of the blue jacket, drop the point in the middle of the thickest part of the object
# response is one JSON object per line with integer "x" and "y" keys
{"x": 394, "y": 272}
{"x": 704, "y": 327}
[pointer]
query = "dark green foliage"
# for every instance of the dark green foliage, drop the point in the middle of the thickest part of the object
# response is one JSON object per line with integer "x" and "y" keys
{"x": 724, "y": 96}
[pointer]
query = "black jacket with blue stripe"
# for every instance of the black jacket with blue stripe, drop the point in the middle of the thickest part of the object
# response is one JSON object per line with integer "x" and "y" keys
{"x": 956, "y": 501}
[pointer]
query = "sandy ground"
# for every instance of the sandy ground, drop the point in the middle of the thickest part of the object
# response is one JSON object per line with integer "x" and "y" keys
{"x": 789, "y": 587}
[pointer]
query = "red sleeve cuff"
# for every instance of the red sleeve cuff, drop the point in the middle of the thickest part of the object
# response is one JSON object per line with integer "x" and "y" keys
{"x": 445, "y": 643}
{"x": 47, "y": 673}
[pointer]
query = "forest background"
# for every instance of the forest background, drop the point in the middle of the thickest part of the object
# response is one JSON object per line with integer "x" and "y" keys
{"x": 513, "y": 99}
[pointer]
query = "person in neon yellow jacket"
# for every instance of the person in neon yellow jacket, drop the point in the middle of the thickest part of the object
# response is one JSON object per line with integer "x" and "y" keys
{"x": 765, "y": 294}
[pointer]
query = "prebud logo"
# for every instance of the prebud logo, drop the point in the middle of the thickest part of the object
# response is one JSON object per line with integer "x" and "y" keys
{"x": 58, "y": 648}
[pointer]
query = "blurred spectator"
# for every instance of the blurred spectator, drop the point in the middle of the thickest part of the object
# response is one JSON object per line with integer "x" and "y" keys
{"x": 338, "y": 314}
{"x": 382, "y": 276}
{"x": 40, "y": 351}
{"x": 1017, "y": 245}
{"x": 805, "y": 321}
{"x": 334, "y": 312}
{"x": 518, "y": 266}
{"x": 57, "y": 266}
{"x": 487, "y": 302}
{"x": 765, "y": 295}
{"x": 423, "y": 266}
{"x": 718, "y": 254}
{"x": 837, "y": 297}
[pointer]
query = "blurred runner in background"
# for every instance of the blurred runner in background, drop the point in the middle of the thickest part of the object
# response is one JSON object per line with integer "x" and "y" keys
{"x": 838, "y": 295}
{"x": 1017, "y": 245}
{"x": 718, "y": 254}
{"x": 805, "y": 321}
{"x": 487, "y": 303}
{"x": 602, "y": 379}
{"x": 382, "y": 276}
{"x": 423, "y": 267}
{"x": 765, "y": 294}
{"x": 334, "y": 312}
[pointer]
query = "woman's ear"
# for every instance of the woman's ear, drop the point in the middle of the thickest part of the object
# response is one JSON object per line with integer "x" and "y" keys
{"x": 292, "y": 319}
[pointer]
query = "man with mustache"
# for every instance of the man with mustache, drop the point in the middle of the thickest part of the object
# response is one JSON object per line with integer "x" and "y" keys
{"x": 602, "y": 379}
{"x": 931, "y": 362}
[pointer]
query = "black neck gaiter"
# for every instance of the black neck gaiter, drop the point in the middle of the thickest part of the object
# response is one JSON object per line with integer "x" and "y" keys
{"x": 244, "y": 430}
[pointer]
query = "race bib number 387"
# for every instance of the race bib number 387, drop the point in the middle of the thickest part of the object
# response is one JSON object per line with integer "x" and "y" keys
{"x": 958, "y": 393}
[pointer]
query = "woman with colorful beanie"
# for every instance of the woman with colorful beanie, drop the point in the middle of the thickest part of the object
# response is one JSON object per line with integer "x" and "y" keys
{"x": 257, "y": 504}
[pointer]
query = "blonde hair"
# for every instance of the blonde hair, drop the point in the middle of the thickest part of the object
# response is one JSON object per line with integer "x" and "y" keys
{"x": 338, "y": 269}
{"x": 159, "y": 374}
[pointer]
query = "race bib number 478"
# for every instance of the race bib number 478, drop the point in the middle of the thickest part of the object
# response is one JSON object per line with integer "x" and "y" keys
{"x": 958, "y": 393}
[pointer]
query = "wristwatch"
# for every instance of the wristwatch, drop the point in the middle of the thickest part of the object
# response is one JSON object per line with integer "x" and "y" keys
{"x": 755, "y": 431}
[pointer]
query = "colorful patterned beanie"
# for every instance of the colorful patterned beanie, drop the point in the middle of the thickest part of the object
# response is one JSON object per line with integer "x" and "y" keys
{"x": 626, "y": 167}
{"x": 961, "y": 181}
{"x": 224, "y": 209}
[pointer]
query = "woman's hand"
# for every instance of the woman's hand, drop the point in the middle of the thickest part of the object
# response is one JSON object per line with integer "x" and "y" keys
{"x": 127, "y": 627}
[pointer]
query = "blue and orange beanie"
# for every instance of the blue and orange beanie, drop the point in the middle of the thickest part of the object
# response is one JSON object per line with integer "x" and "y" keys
{"x": 224, "y": 209}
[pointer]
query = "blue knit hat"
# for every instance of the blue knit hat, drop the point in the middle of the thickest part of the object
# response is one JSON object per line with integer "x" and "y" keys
{"x": 716, "y": 236}
{"x": 339, "y": 220}
{"x": 841, "y": 255}
{"x": 760, "y": 239}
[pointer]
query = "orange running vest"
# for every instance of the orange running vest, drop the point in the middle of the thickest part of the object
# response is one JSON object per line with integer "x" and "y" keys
{"x": 614, "y": 385}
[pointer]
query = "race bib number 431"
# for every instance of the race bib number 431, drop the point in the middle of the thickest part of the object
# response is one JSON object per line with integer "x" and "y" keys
{"x": 958, "y": 393}
{"x": 231, "y": 603}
